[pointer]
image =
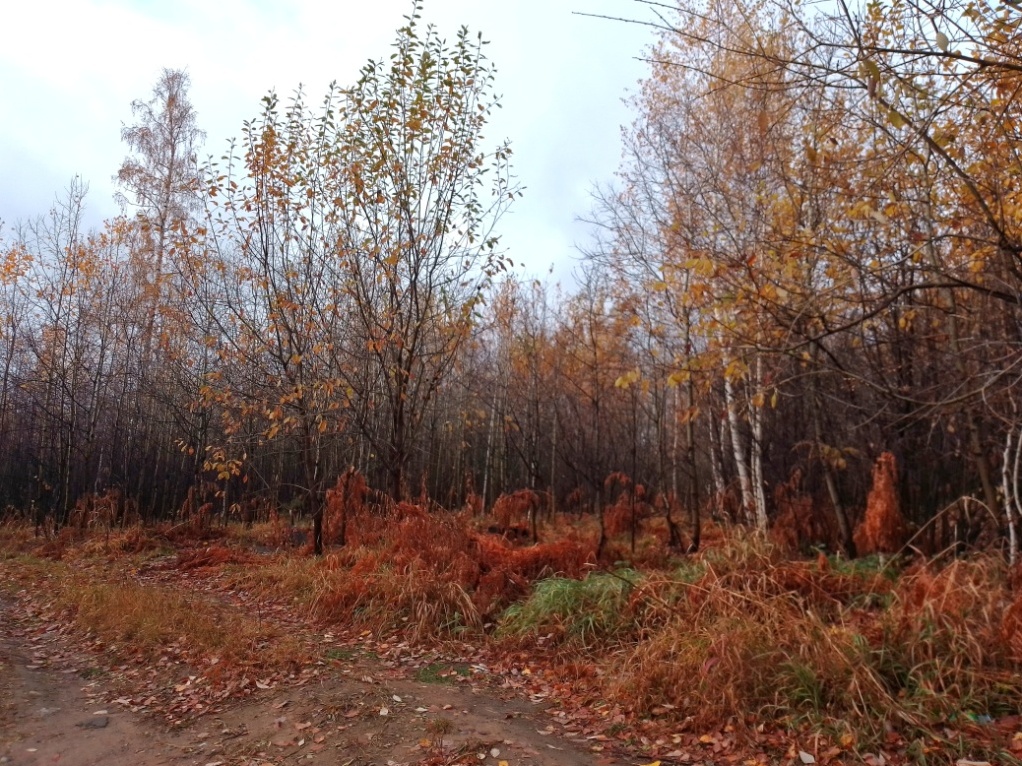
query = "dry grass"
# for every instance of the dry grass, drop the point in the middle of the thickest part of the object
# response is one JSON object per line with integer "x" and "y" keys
{"x": 427, "y": 574}
{"x": 787, "y": 641}
{"x": 145, "y": 620}
{"x": 133, "y": 620}
{"x": 16, "y": 537}
{"x": 284, "y": 577}
{"x": 739, "y": 633}
{"x": 414, "y": 598}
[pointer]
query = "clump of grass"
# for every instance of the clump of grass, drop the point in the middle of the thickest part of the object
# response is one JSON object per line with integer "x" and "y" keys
{"x": 16, "y": 536}
{"x": 954, "y": 634}
{"x": 714, "y": 653}
{"x": 416, "y": 599}
{"x": 586, "y": 612}
{"x": 291, "y": 579}
{"x": 798, "y": 641}
{"x": 438, "y": 728}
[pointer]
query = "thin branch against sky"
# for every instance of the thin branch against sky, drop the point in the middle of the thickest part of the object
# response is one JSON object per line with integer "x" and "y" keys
{"x": 69, "y": 78}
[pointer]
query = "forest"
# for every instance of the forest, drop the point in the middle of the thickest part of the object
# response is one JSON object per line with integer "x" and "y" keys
{"x": 810, "y": 260}
{"x": 793, "y": 346}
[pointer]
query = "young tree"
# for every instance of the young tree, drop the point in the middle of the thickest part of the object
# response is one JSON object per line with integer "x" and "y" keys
{"x": 350, "y": 251}
{"x": 418, "y": 200}
{"x": 160, "y": 183}
{"x": 161, "y": 177}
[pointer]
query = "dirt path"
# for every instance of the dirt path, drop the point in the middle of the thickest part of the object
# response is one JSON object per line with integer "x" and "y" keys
{"x": 53, "y": 712}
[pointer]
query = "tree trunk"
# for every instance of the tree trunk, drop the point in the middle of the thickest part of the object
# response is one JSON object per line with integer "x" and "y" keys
{"x": 693, "y": 496}
{"x": 840, "y": 514}
{"x": 756, "y": 450}
{"x": 738, "y": 451}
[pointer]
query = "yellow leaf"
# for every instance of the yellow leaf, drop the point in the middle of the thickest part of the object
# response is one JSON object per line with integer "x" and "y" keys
{"x": 687, "y": 415}
{"x": 653, "y": 763}
{"x": 677, "y": 378}
{"x": 870, "y": 69}
{"x": 632, "y": 376}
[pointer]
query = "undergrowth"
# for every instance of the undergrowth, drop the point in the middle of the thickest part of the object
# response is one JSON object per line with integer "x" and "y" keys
{"x": 803, "y": 642}
{"x": 430, "y": 575}
{"x": 856, "y": 652}
{"x": 586, "y": 612}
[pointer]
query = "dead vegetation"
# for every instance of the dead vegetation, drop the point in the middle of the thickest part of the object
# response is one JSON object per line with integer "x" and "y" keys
{"x": 881, "y": 652}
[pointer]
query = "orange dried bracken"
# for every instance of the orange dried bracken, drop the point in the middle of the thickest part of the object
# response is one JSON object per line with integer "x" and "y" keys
{"x": 883, "y": 530}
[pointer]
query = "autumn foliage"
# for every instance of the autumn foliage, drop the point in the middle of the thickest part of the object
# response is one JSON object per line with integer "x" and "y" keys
{"x": 517, "y": 510}
{"x": 814, "y": 256}
{"x": 345, "y": 500}
{"x": 883, "y": 530}
{"x": 801, "y": 520}
{"x": 629, "y": 507}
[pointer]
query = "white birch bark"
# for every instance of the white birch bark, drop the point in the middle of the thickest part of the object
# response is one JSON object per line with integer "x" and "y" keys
{"x": 756, "y": 451}
{"x": 738, "y": 449}
{"x": 1009, "y": 484}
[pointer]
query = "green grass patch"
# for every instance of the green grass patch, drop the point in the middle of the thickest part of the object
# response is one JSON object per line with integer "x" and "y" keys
{"x": 338, "y": 654}
{"x": 442, "y": 673}
{"x": 586, "y": 612}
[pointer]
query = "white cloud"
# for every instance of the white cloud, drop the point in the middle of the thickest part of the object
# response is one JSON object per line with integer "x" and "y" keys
{"x": 69, "y": 70}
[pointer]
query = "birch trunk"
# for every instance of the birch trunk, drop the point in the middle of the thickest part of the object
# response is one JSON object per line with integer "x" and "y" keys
{"x": 738, "y": 450}
{"x": 756, "y": 452}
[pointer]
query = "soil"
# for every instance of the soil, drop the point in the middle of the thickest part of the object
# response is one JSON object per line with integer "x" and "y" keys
{"x": 57, "y": 708}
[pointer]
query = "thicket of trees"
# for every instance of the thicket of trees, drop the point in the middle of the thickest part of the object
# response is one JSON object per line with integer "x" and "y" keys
{"x": 813, "y": 256}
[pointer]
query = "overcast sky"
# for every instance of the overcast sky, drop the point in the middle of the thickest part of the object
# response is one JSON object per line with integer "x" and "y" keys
{"x": 69, "y": 70}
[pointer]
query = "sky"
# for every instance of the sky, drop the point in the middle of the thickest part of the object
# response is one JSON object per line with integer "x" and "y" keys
{"x": 69, "y": 70}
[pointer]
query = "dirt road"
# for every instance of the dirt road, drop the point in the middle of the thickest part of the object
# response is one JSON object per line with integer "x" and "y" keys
{"x": 58, "y": 707}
